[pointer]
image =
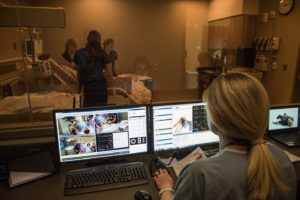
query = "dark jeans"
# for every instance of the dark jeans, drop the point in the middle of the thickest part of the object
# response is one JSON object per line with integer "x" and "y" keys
{"x": 95, "y": 94}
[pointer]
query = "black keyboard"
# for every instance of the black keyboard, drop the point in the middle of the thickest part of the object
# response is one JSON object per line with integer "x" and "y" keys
{"x": 105, "y": 177}
{"x": 289, "y": 139}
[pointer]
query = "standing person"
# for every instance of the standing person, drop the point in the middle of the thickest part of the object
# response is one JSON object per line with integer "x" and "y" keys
{"x": 70, "y": 49}
{"x": 109, "y": 45}
{"x": 92, "y": 62}
{"x": 247, "y": 167}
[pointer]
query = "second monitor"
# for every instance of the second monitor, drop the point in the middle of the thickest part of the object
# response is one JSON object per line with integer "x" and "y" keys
{"x": 180, "y": 125}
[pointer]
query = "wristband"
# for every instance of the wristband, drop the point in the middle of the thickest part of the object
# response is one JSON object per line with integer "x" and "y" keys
{"x": 165, "y": 189}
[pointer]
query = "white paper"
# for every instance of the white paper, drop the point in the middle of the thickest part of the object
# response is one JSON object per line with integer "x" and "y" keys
{"x": 18, "y": 178}
{"x": 292, "y": 157}
{"x": 195, "y": 155}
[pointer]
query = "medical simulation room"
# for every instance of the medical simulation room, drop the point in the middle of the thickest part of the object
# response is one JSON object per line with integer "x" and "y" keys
{"x": 149, "y": 100}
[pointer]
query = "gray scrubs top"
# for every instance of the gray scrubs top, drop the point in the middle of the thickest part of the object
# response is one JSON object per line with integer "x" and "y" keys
{"x": 224, "y": 177}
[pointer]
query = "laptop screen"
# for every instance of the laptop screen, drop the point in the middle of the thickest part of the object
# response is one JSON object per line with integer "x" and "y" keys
{"x": 101, "y": 133}
{"x": 180, "y": 125}
{"x": 283, "y": 118}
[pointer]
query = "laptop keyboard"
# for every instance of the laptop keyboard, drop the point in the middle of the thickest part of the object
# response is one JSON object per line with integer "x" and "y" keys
{"x": 290, "y": 139}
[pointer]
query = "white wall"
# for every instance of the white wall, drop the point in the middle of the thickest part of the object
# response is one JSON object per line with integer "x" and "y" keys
{"x": 141, "y": 28}
{"x": 196, "y": 33}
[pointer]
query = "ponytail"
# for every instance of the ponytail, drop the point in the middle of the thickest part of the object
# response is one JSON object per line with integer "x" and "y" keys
{"x": 94, "y": 49}
{"x": 263, "y": 174}
{"x": 238, "y": 106}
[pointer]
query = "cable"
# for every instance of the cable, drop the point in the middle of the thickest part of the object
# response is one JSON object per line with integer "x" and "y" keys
{"x": 175, "y": 152}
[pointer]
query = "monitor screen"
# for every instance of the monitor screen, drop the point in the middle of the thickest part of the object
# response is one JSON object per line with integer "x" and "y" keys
{"x": 283, "y": 118}
{"x": 180, "y": 125}
{"x": 102, "y": 133}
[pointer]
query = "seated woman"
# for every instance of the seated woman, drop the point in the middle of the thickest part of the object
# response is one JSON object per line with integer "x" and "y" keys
{"x": 247, "y": 167}
{"x": 70, "y": 49}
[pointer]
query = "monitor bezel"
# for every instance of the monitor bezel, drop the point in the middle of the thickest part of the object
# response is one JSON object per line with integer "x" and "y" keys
{"x": 284, "y": 129}
{"x": 151, "y": 136}
{"x": 93, "y": 109}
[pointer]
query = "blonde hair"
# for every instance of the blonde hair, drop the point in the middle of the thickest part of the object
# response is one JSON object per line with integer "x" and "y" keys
{"x": 238, "y": 106}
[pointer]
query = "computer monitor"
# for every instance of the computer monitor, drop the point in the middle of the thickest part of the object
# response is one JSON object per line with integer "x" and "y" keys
{"x": 283, "y": 118}
{"x": 101, "y": 133}
{"x": 180, "y": 125}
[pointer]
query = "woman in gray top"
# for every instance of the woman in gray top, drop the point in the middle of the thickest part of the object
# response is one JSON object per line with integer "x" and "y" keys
{"x": 247, "y": 167}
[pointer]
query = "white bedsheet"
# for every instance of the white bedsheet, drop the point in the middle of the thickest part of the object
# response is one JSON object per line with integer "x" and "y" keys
{"x": 41, "y": 103}
{"x": 140, "y": 94}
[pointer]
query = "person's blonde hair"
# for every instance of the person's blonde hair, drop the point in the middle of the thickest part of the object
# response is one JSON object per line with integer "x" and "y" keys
{"x": 238, "y": 106}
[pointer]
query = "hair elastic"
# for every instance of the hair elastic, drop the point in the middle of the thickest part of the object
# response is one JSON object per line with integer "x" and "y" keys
{"x": 258, "y": 141}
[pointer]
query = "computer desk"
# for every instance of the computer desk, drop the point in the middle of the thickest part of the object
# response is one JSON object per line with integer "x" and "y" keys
{"x": 51, "y": 188}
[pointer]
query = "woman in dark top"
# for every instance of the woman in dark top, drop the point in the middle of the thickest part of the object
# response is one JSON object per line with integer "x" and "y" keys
{"x": 92, "y": 62}
{"x": 111, "y": 53}
{"x": 70, "y": 50}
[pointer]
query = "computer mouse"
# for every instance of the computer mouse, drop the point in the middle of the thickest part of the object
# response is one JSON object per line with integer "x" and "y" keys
{"x": 142, "y": 195}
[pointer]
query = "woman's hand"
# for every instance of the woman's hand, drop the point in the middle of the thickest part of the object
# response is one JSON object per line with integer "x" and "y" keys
{"x": 163, "y": 179}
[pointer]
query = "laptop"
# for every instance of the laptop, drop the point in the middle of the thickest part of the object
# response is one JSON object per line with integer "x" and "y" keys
{"x": 284, "y": 125}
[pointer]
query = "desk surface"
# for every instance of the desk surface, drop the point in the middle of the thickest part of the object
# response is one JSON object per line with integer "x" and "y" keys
{"x": 52, "y": 187}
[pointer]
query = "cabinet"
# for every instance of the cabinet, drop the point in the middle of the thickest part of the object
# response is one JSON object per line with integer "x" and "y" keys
{"x": 238, "y": 31}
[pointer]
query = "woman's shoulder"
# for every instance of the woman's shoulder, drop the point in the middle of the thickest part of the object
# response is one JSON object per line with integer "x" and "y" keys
{"x": 204, "y": 163}
{"x": 81, "y": 56}
{"x": 104, "y": 57}
{"x": 81, "y": 53}
{"x": 223, "y": 159}
{"x": 279, "y": 154}
{"x": 81, "y": 50}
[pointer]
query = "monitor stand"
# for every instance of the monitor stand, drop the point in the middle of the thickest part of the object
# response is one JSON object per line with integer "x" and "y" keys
{"x": 105, "y": 161}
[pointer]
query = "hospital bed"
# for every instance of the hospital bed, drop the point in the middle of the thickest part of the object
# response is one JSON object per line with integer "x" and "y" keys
{"x": 124, "y": 89}
{"x": 61, "y": 82}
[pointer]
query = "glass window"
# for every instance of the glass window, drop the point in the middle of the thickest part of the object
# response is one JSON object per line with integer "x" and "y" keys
{"x": 70, "y": 54}
{"x": 14, "y": 101}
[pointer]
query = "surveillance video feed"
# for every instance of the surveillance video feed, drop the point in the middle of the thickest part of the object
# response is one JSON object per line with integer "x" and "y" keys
{"x": 101, "y": 133}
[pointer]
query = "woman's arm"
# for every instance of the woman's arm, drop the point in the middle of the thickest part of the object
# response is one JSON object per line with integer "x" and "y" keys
{"x": 164, "y": 182}
{"x": 109, "y": 71}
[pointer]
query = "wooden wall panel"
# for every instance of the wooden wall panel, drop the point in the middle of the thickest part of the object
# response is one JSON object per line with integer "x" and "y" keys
{"x": 235, "y": 29}
{"x": 239, "y": 31}
{"x": 249, "y": 30}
